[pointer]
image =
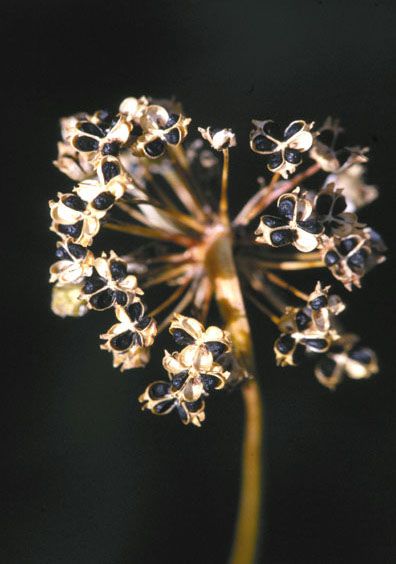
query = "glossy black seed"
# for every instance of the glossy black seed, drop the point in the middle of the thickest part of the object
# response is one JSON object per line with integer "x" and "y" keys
{"x": 92, "y": 284}
{"x": 292, "y": 129}
{"x": 86, "y": 144}
{"x": 91, "y": 128}
{"x": 182, "y": 337}
{"x": 75, "y": 203}
{"x": 311, "y": 226}
{"x": 216, "y": 348}
{"x": 270, "y": 128}
{"x": 210, "y": 382}
{"x": 110, "y": 169}
{"x": 144, "y": 322}
{"x": 103, "y": 201}
{"x": 112, "y": 148}
{"x": 261, "y": 143}
{"x": 194, "y": 406}
{"x": 293, "y": 156}
{"x": 107, "y": 119}
{"x": 361, "y": 354}
{"x": 327, "y": 366}
{"x": 358, "y": 260}
{"x": 120, "y": 297}
{"x": 323, "y": 204}
{"x": 155, "y": 148}
{"x": 118, "y": 270}
{"x": 179, "y": 379}
{"x": 271, "y": 221}
{"x": 122, "y": 342}
{"x": 137, "y": 340}
{"x": 317, "y": 344}
{"x": 62, "y": 254}
{"x": 347, "y": 245}
{"x": 73, "y": 230}
{"x": 137, "y": 130}
{"x": 339, "y": 205}
{"x": 318, "y": 303}
{"x": 78, "y": 251}
{"x": 182, "y": 412}
{"x": 173, "y": 118}
{"x": 282, "y": 237}
{"x": 159, "y": 390}
{"x": 163, "y": 406}
{"x": 102, "y": 300}
{"x": 302, "y": 320}
{"x": 286, "y": 208}
{"x": 274, "y": 160}
{"x": 135, "y": 311}
{"x": 173, "y": 136}
{"x": 285, "y": 344}
{"x": 331, "y": 258}
{"x": 298, "y": 354}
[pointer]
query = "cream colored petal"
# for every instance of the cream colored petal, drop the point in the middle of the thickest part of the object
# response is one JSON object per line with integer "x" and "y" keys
{"x": 193, "y": 389}
{"x": 102, "y": 267}
{"x": 305, "y": 242}
{"x": 172, "y": 363}
{"x": 129, "y": 283}
{"x": 120, "y": 132}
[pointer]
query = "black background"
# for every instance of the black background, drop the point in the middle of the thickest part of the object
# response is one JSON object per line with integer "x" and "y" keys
{"x": 89, "y": 479}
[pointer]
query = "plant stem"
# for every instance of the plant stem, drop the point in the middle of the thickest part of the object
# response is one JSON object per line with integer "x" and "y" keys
{"x": 222, "y": 273}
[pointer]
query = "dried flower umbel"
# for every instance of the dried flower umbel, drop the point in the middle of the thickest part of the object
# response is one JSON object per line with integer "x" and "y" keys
{"x": 137, "y": 174}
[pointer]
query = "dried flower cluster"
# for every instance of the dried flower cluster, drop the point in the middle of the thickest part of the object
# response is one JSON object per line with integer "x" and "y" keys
{"x": 136, "y": 174}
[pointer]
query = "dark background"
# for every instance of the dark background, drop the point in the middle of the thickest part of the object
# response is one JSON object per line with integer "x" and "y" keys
{"x": 88, "y": 478}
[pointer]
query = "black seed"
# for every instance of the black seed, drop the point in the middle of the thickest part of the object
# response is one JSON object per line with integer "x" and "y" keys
{"x": 182, "y": 337}
{"x": 275, "y": 159}
{"x": 78, "y": 251}
{"x": 323, "y": 204}
{"x": 261, "y": 143}
{"x": 173, "y": 136}
{"x": 194, "y": 406}
{"x": 317, "y": 344}
{"x": 103, "y": 201}
{"x": 285, "y": 344}
{"x": 102, "y": 300}
{"x": 92, "y": 284}
{"x": 293, "y": 156}
{"x": 331, "y": 258}
{"x": 302, "y": 320}
{"x": 118, "y": 270}
{"x": 311, "y": 226}
{"x": 286, "y": 208}
{"x": 339, "y": 205}
{"x": 171, "y": 121}
{"x": 144, "y": 322}
{"x": 62, "y": 254}
{"x": 122, "y": 342}
{"x": 210, "y": 382}
{"x": 163, "y": 406}
{"x": 271, "y": 221}
{"x": 361, "y": 354}
{"x": 86, "y": 144}
{"x": 270, "y": 128}
{"x": 137, "y": 130}
{"x": 112, "y": 148}
{"x": 110, "y": 169}
{"x": 75, "y": 203}
{"x": 159, "y": 390}
{"x": 88, "y": 127}
{"x": 155, "y": 148}
{"x": 292, "y": 130}
{"x": 182, "y": 412}
{"x": 347, "y": 245}
{"x": 179, "y": 379}
{"x": 327, "y": 366}
{"x": 135, "y": 311}
{"x": 137, "y": 340}
{"x": 107, "y": 119}
{"x": 216, "y": 348}
{"x": 357, "y": 261}
{"x": 318, "y": 303}
{"x": 282, "y": 237}
{"x": 120, "y": 297}
{"x": 298, "y": 354}
{"x": 73, "y": 230}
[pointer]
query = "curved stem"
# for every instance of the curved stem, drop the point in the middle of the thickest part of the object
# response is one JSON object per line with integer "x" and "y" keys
{"x": 223, "y": 275}
{"x": 247, "y": 528}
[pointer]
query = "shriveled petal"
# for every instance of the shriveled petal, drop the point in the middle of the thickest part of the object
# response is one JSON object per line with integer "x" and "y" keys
{"x": 305, "y": 242}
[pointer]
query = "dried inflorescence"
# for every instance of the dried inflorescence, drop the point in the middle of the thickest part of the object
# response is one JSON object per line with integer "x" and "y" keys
{"x": 133, "y": 175}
